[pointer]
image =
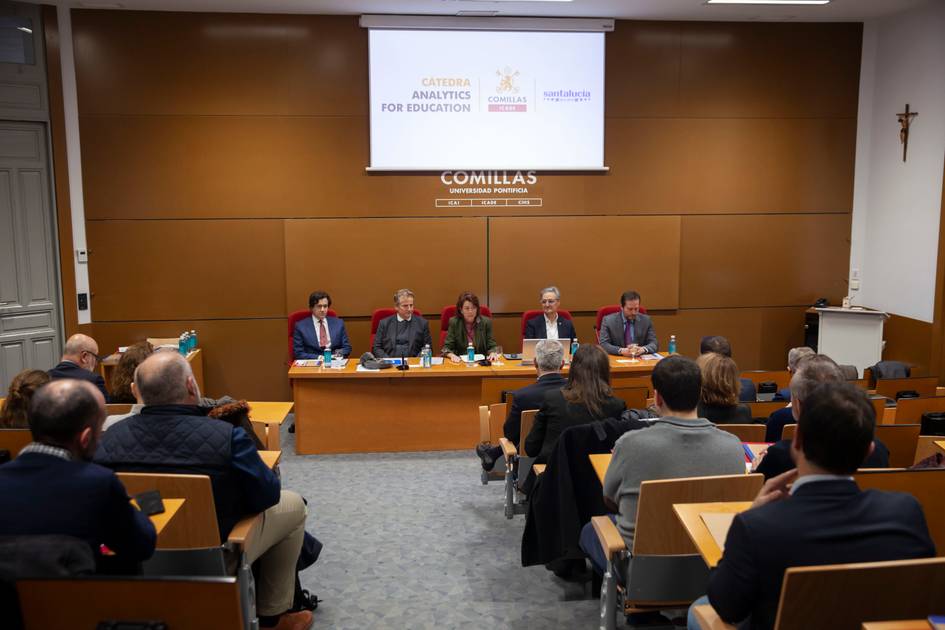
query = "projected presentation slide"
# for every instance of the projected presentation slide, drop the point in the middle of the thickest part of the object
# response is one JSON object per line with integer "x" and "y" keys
{"x": 486, "y": 100}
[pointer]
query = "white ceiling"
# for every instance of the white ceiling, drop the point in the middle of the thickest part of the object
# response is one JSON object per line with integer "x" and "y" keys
{"x": 837, "y": 10}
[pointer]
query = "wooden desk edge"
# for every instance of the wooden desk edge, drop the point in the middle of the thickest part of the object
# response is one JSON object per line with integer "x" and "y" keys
{"x": 600, "y": 462}
{"x": 689, "y": 515}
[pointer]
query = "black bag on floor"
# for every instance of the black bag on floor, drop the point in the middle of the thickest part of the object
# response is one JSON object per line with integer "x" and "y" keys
{"x": 933, "y": 423}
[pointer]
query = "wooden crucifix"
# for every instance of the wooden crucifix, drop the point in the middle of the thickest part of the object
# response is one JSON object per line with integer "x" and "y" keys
{"x": 905, "y": 119}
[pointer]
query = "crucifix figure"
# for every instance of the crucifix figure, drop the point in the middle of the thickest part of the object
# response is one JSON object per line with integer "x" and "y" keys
{"x": 905, "y": 119}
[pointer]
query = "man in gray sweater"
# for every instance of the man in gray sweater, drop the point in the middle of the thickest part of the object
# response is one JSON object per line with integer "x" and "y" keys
{"x": 678, "y": 444}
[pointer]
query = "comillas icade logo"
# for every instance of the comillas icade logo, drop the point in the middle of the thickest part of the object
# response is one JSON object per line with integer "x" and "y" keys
{"x": 506, "y": 97}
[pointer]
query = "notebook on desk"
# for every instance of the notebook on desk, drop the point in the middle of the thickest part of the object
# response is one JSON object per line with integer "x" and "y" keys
{"x": 528, "y": 350}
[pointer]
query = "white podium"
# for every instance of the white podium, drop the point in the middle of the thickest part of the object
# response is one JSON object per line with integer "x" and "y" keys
{"x": 851, "y": 336}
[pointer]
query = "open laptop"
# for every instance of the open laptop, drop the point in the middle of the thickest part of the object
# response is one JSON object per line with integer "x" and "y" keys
{"x": 528, "y": 350}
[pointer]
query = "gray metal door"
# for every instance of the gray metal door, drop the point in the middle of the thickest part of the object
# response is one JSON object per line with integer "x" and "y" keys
{"x": 29, "y": 294}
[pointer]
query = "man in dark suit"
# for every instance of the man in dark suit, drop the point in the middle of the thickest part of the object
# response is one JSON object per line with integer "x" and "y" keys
{"x": 53, "y": 488}
{"x": 816, "y": 514}
{"x": 549, "y": 359}
{"x": 79, "y": 358}
{"x": 173, "y": 435}
{"x": 550, "y": 325}
{"x": 810, "y": 371}
{"x": 721, "y": 345}
{"x": 403, "y": 334}
{"x": 628, "y": 333}
{"x": 313, "y": 334}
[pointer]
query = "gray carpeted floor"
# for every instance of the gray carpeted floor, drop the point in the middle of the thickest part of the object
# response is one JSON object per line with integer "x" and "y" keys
{"x": 413, "y": 540}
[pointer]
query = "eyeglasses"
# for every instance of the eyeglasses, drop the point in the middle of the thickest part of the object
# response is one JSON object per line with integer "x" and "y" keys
{"x": 549, "y": 301}
{"x": 97, "y": 358}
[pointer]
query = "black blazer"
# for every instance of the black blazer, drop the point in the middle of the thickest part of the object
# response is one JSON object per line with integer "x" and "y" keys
{"x": 725, "y": 414}
{"x": 68, "y": 369}
{"x": 535, "y": 328}
{"x": 555, "y": 415}
{"x": 386, "y": 338}
{"x": 778, "y": 458}
{"x": 825, "y": 522}
{"x": 529, "y": 397}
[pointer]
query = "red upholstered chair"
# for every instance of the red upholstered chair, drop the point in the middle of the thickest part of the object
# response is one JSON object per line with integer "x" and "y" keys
{"x": 527, "y": 315}
{"x": 604, "y": 312}
{"x": 380, "y": 314}
{"x": 449, "y": 312}
{"x": 294, "y": 318}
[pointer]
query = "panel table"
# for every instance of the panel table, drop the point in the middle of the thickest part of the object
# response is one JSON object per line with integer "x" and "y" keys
{"x": 346, "y": 411}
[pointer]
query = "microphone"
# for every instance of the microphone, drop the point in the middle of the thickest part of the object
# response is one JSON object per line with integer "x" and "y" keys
{"x": 403, "y": 363}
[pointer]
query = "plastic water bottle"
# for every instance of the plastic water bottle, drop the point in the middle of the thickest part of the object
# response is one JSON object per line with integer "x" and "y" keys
{"x": 182, "y": 345}
{"x": 193, "y": 340}
{"x": 574, "y": 346}
{"x": 672, "y": 344}
{"x": 470, "y": 352}
{"x": 426, "y": 357}
{"x": 326, "y": 357}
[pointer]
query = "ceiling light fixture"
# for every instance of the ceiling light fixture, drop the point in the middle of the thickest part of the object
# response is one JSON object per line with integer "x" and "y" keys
{"x": 782, "y": 2}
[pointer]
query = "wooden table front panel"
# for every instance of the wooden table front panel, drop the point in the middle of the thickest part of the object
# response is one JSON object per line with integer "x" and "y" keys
{"x": 389, "y": 414}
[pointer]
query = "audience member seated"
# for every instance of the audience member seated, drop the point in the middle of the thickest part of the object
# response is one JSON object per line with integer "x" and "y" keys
{"x": 17, "y": 403}
{"x": 677, "y": 444}
{"x": 53, "y": 488}
{"x": 719, "y": 400}
{"x": 124, "y": 374}
{"x": 794, "y": 357}
{"x": 172, "y": 434}
{"x": 466, "y": 327}
{"x": 403, "y": 334}
{"x": 79, "y": 358}
{"x": 810, "y": 371}
{"x": 549, "y": 325}
{"x": 721, "y": 345}
{"x": 628, "y": 333}
{"x": 587, "y": 397}
{"x": 549, "y": 359}
{"x": 313, "y": 334}
{"x": 816, "y": 514}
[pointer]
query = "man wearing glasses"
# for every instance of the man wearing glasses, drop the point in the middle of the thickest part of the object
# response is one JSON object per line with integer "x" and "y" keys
{"x": 79, "y": 358}
{"x": 549, "y": 325}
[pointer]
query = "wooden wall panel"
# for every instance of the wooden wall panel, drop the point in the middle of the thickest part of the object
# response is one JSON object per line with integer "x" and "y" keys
{"x": 733, "y": 165}
{"x": 362, "y": 262}
{"x": 241, "y": 358}
{"x": 758, "y": 260}
{"x": 910, "y": 341}
{"x": 147, "y": 270}
{"x": 732, "y": 70}
{"x": 162, "y": 63}
{"x": 592, "y": 260}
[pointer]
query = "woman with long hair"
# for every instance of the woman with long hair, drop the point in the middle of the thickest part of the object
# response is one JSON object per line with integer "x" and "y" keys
{"x": 468, "y": 326}
{"x": 586, "y": 398}
{"x": 124, "y": 373}
{"x": 17, "y": 403}
{"x": 720, "y": 386}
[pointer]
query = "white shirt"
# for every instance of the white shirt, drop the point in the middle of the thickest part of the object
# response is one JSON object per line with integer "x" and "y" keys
{"x": 800, "y": 481}
{"x": 324, "y": 343}
{"x": 401, "y": 319}
{"x": 551, "y": 328}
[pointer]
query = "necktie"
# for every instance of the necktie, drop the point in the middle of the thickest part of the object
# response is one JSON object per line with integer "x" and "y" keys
{"x": 628, "y": 333}
{"x": 322, "y": 334}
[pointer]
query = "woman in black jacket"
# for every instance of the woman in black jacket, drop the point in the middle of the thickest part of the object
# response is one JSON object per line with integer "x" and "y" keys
{"x": 587, "y": 397}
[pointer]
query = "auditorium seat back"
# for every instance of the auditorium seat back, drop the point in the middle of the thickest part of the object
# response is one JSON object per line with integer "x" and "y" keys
{"x": 604, "y": 312}
{"x": 527, "y": 315}
{"x": 294, "y": 318}
{"x": 450, "y": 311}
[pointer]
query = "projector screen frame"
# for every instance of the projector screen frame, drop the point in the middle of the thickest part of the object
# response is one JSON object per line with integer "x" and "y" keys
{"x": 452, "y": 23}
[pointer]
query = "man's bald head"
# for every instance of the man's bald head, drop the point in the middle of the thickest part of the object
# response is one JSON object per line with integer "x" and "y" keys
{"x": 79, "y": 343}
{"x": 165, "y": 378}
{"x": 61, "y": 410}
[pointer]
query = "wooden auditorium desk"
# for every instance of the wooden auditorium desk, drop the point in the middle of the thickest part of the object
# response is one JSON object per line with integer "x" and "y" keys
{"x": 346, "y": 411}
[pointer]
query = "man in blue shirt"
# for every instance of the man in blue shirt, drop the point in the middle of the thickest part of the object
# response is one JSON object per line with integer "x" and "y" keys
{"x": 172, "y": 434}
{"x": 53, "y": 488}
